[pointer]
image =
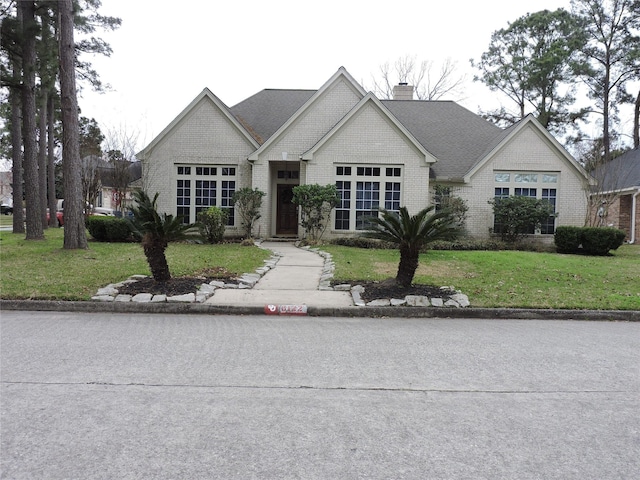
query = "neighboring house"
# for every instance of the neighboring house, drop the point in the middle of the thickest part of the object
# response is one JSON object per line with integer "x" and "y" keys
{"x": 615, "y": 198}
{"x": 379, "y": 153}
{"x": 109, "y": 196}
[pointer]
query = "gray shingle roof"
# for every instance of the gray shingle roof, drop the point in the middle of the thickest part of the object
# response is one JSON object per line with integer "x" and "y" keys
{"x": 620, "y": 173}
{"x": 457, "y": 137}
{"x": 266, "y": 111}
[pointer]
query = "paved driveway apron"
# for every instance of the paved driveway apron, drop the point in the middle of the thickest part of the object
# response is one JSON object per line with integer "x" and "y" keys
{"x": 104, "y": 396}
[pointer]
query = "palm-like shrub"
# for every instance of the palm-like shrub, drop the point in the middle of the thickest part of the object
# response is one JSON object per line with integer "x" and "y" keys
{"x": 411, "y": 233}
{"x": 155, "y": 232}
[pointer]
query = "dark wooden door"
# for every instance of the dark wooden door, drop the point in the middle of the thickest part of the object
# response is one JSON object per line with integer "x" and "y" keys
{"x": 287, "y": 212}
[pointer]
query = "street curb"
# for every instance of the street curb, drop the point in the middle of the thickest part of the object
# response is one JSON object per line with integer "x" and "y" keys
{"x": 353, "y": 312}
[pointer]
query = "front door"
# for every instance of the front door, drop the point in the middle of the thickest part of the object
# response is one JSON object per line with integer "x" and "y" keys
{"x": 287, "y": 212}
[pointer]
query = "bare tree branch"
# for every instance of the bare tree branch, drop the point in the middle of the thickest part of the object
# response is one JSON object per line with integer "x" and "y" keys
{"x": 428, "y": 81}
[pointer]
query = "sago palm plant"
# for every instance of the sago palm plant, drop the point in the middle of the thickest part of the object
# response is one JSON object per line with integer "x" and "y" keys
{"x": 411, "y": 233}
{"x": 156, "y": 231}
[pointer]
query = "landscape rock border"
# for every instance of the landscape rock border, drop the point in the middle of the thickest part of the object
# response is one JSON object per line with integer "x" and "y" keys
{"x": 110, "y": 293}
{"x": 457, "y": 300}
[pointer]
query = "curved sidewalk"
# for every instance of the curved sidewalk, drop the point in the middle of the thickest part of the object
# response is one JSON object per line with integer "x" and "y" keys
{"x": 295, "y": 280}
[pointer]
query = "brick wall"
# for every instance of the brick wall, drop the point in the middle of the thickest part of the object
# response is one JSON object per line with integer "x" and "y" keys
{"x": 204, "y": 137}
{"x": 529, "y": 151}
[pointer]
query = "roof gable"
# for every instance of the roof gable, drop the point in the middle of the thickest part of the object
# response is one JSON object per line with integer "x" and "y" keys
{"x": 205, "y": 95}
{"x": 369, "y": 101}
{"x": 513, "y": 132}
{"x": 340, "y": 77}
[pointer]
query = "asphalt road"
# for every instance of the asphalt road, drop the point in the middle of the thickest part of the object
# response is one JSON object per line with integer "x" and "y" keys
{"x": 125, "y": 396}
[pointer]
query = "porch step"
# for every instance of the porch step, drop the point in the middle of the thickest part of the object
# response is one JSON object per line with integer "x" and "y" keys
{"x": 292, "y": 238}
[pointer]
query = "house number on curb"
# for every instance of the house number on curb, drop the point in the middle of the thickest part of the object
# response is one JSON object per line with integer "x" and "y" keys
{"x": 285, "y": 309}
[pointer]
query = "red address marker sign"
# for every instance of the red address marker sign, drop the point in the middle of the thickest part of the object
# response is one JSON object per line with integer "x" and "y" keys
{"x": 285, "y": 309}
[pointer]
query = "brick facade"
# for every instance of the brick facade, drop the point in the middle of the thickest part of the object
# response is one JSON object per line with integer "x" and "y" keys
{"x": 341, "y": 125}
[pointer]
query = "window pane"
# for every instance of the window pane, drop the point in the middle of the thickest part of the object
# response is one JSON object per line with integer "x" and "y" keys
{"x": 183, "y": 199}
{"x": 525, "y": 192}
{"x": 502, "y": 177}
{"x": 367, "y": 202}
{"x": 343, "y": 209}
{"x": 550, "y": 178}
{"x": 227, "y": 191}
{"x": 501, "y": 192}
{"x": 526, "y": 178}
{"x": 392, "y": 196}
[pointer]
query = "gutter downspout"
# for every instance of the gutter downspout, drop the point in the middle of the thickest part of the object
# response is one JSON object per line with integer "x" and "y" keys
{"x": 634, "y": 210}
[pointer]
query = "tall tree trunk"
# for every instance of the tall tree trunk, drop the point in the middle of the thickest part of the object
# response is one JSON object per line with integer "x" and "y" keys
{"x": 74, "y": 227}
{"x": 32, "y": 183}
{"x": 42, "y": 156}
{"x": 51, "y": 166}
{"x": 606, "y": 138}
{"x": 16, "y": 148}
{"x": 636, "y": 123}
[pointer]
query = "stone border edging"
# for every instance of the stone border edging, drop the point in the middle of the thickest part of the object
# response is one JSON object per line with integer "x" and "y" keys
{"x": 205, "y": 291}
{"x": 458, "y": 300}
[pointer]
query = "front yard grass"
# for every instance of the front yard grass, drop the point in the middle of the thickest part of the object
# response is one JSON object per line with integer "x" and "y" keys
{"x": 511, "y": 278}
{"x": 43, "y": 270}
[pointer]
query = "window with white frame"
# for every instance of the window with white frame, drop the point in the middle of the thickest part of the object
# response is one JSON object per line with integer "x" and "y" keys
{"x": 371, "y": 187}
{"x": 201, "y": 187}
{"x": 539, "y": 185}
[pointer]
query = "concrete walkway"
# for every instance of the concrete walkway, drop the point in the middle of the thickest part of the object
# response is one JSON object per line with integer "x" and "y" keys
{"x": 295, "y": 280}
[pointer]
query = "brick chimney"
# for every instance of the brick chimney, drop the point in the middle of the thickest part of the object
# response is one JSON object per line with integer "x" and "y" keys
{"x": 403, "y": 91}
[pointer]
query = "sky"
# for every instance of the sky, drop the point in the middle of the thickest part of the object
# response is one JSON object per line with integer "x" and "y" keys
{"x": 164, "y": 57}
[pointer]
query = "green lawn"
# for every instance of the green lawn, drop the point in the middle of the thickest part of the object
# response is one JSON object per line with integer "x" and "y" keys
{"x": 512, "y": 278}
{"x": 43, "y": 270}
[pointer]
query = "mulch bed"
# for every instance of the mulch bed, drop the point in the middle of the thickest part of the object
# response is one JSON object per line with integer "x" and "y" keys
{"x": 183, "y": 285}
{"x": 389, "y": 289}
{"x": 177, "y": 285}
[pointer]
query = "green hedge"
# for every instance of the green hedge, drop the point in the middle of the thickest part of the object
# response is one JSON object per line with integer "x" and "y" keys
{"x": 588, "y": 240}
{"x": 568, "y": 239}
{"x": 361, "y": 242}
{"x": 108, "y": 229}
{"x": 598, "y": 241}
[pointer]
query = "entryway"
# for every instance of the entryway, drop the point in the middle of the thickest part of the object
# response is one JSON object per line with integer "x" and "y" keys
{"x": 286, "y": 212}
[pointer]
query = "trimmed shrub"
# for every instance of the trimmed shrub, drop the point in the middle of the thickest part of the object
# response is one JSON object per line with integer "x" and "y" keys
{"x": 518, "y": 216}
{"x": 108, "y": 229}
{"x": 211, "y": 223}
{"x": 315, "y": 202}
{"x": 469, "y": 243}
{"x": 361, "y": 242}
{"x": 588, "y": 240}
{"x": 568, "y": 239}
{"x": 248, "y": 203}
{"x": 599, "y": 240}
{"x": 97, "y": 228}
